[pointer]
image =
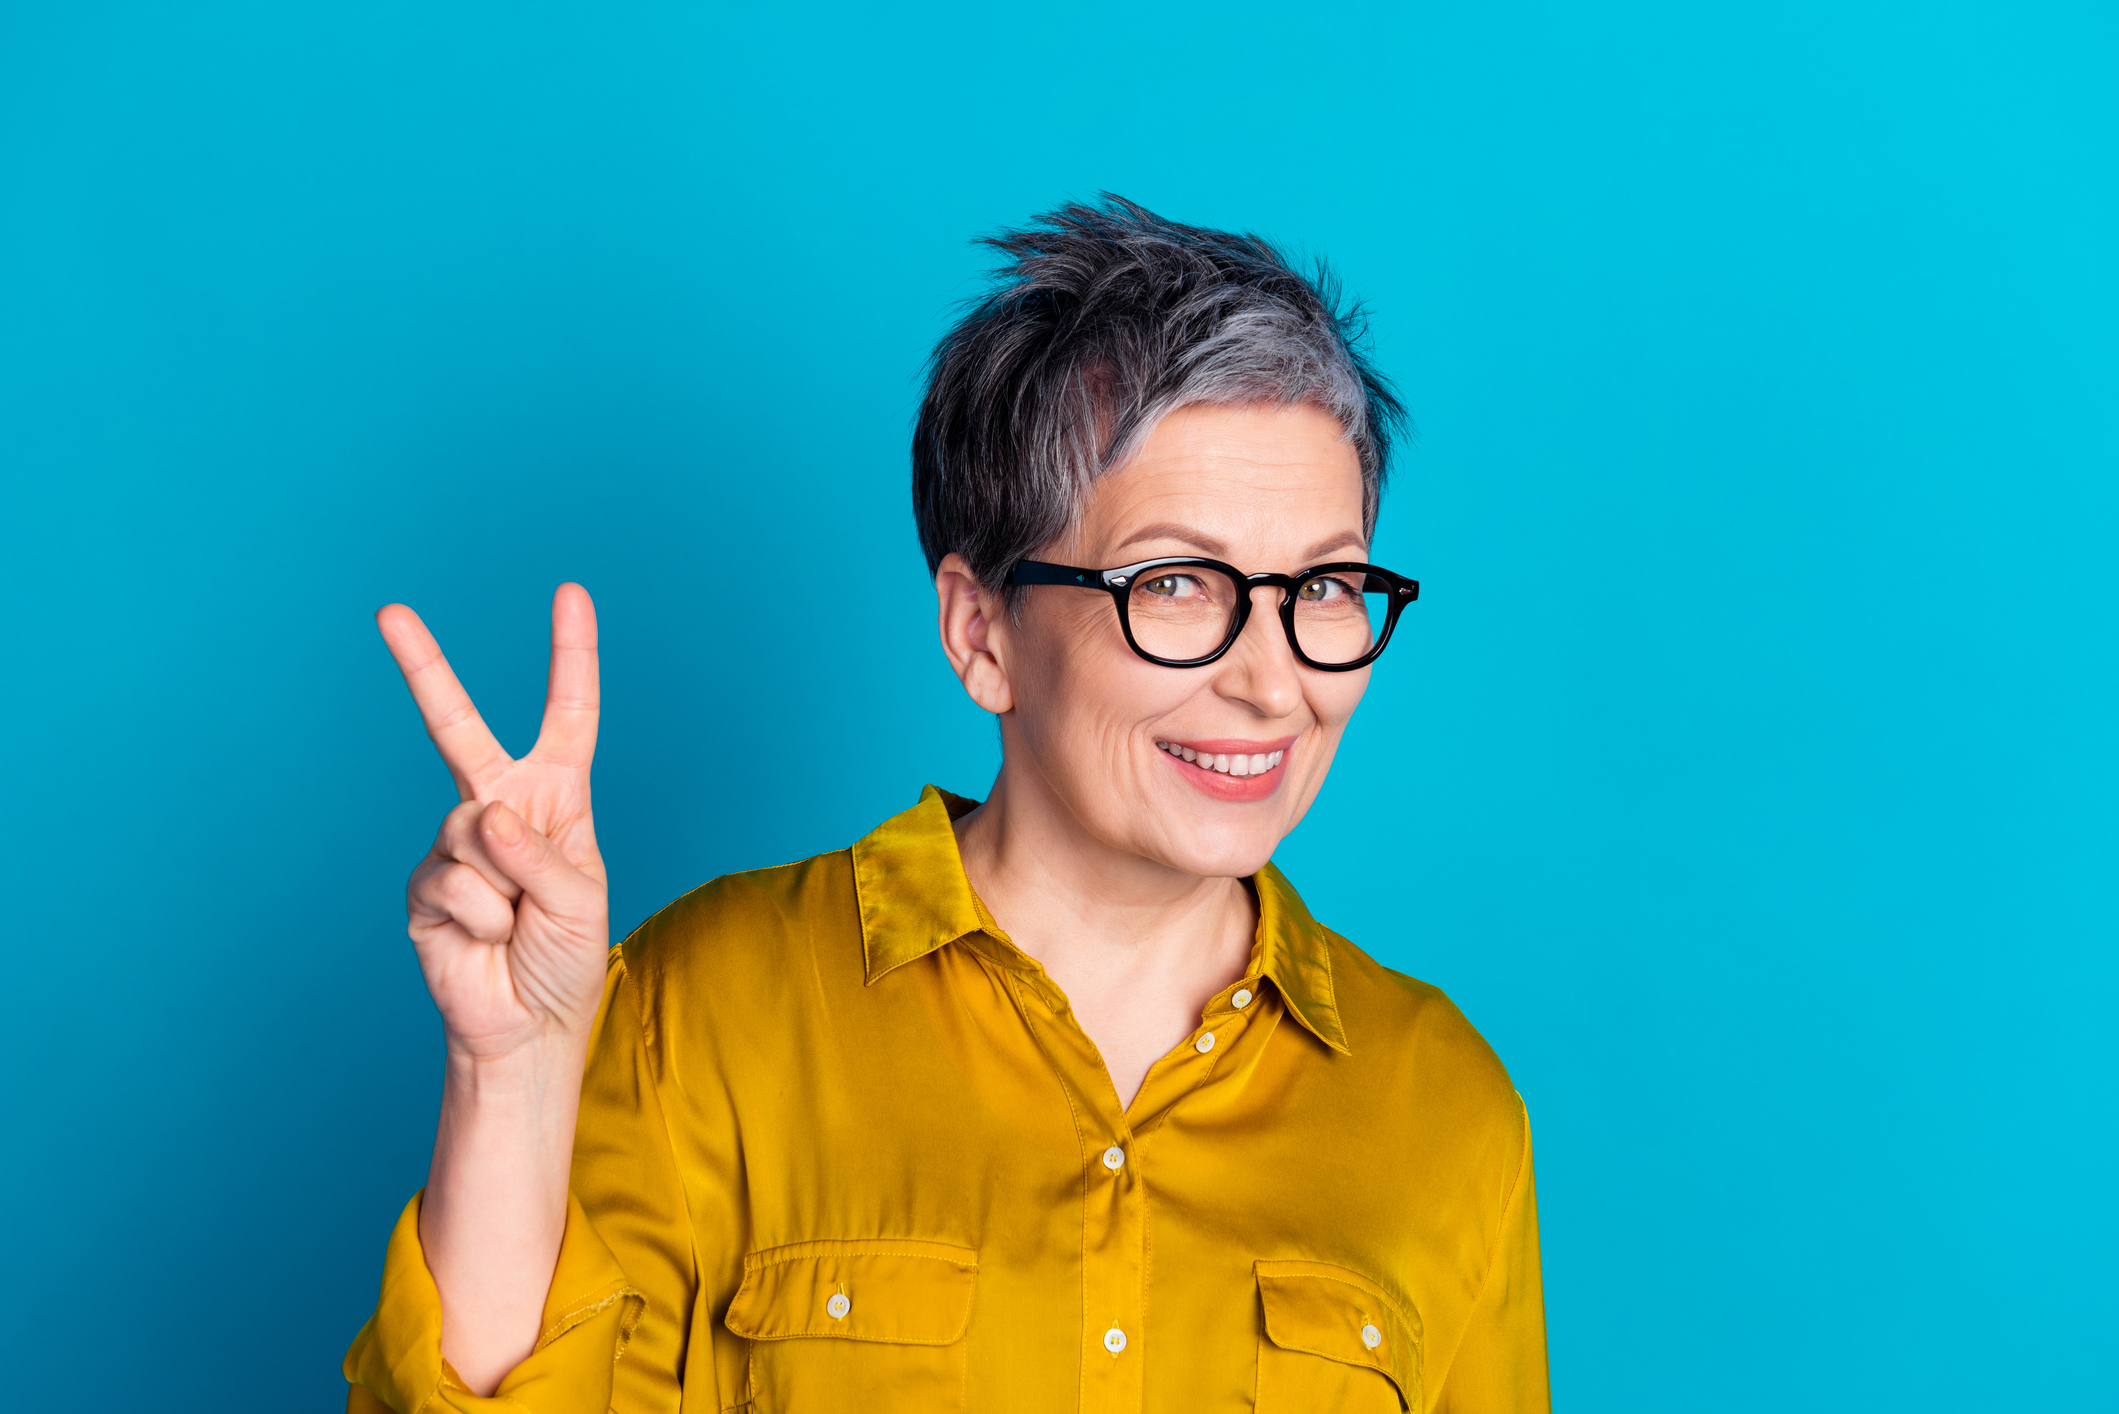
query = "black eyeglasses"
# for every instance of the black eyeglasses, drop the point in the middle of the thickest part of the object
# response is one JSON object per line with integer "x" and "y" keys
{"x": 1186, "y": 613}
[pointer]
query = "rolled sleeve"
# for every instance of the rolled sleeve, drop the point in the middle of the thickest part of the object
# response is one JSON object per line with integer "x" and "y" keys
{"x": 627, "y": 1273}
{"x": 590, "y": 1313}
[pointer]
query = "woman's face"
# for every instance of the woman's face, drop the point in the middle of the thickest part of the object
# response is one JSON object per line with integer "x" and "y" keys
{"x": 1267, "y": 490}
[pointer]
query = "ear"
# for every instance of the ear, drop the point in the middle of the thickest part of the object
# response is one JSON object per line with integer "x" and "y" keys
{"x": 974, "y": 625}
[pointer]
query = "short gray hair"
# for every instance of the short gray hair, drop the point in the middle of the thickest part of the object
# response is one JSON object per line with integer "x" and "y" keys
{"x": 1105, "y": 319}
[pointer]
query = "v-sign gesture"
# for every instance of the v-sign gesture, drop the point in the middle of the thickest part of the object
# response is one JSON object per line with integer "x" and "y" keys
{"x": 511, "y": 919}
{"x": 509, "y": 911}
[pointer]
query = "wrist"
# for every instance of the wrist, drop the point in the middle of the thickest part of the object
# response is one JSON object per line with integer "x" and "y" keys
{"x": 525, "y": 1047}
{"x": 508, "y": 1120}
{"x": 536, "y": 1071}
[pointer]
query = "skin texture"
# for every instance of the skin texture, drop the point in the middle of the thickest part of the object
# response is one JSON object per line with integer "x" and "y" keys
{"x": 1114, "y": 865}
{"x": 1118, "y": 867}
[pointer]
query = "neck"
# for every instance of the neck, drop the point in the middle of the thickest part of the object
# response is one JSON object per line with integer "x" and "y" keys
{"x": 1137, "y": 946}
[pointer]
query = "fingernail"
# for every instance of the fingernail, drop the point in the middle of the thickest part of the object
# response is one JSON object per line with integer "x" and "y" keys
{"x": 505, "y": 824}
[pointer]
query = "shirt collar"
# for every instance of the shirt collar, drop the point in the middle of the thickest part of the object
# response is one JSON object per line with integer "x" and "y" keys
{"x": 915, "y": 898}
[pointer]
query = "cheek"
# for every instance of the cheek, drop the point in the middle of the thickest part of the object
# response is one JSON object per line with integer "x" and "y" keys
{"x": 1334, "y": 696}
{"x": 1072, "y": 671}
{"x": 1085, "y": 694}
{"x": 1101, "y": 700}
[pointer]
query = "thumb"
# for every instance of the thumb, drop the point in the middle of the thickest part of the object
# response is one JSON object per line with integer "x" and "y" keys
{"x": 535, "y": 865}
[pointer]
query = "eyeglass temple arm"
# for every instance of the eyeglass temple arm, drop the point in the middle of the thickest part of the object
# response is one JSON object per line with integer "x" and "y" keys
{"x": 1038, "y": 572}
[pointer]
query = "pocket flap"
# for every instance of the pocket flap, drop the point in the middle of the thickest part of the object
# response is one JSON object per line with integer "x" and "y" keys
{"x": 1321, "y": 1309}
{"x": 899, "y": 1293}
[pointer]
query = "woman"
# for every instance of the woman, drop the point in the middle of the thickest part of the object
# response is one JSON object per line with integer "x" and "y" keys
{"x": 1061, "y": 1101}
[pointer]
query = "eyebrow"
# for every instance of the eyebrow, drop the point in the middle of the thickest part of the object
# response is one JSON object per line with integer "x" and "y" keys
{"x": 1171, "y": 530}
{"x": 1212, "y": 548}
{"x": 1345, "y": 540}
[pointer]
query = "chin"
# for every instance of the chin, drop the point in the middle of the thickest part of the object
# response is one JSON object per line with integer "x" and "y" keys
{"x": 1214, "y": 855}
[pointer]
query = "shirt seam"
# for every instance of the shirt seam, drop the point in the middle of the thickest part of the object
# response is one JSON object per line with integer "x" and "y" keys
{"x": 578, "y": 1314}
{"x": 684, "y": 1193}
{"x": 883, "y": 1247}
{"x": 1493, "y": 1251}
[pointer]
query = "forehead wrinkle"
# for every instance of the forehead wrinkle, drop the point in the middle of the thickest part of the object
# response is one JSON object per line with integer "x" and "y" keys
{"x": 1215, "y": 546}
{"x": 1197, "y": 471}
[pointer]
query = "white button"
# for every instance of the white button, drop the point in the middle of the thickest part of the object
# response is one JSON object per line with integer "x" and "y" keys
{"x": 1114, "y": 1340}
{"x": 1241, "y": 1000}
{"x": 838, "y": 1306}
{"x": 1114, "y": 1158}
{"x": 1205, "y": 1043}
{"x": 1371, "y": 1337}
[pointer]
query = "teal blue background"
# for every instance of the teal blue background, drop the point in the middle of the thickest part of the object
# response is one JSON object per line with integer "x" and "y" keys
{"x": 1746, "y": 772}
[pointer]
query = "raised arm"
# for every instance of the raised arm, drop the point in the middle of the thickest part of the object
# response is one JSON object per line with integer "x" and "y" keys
{"x": 510, "y": 916}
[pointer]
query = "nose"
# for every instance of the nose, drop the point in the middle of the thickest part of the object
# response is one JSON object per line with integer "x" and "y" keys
{"x": 1261, "y": 670}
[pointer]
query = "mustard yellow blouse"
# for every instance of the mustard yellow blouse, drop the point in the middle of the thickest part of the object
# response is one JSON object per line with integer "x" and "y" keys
{"x": 844, "y": 1147}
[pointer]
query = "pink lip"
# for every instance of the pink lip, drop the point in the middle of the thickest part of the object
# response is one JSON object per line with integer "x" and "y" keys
{"x": 1225, "y": 787}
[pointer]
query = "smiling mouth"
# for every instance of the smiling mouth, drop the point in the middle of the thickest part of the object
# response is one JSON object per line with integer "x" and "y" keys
{"x": 1225, "y": 763}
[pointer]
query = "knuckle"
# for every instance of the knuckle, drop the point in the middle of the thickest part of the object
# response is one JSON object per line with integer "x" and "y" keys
{"x": 458, "y": 829}
{"x": 441, "y": 891}
{"x": 475, "y": 906}
{"x": 463, "y": 887}
{"x": 420, "y": 886}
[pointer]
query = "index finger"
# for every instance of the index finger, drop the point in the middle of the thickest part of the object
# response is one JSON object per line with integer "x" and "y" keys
{"x": 467, "y": 748}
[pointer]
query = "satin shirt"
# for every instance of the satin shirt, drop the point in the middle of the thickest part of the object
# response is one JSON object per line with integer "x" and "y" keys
{"x": 843, "y": 1146}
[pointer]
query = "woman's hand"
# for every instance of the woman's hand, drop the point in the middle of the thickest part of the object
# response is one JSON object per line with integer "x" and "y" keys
{"x": 509, "y": 911}
{"x": 511, "y": 919}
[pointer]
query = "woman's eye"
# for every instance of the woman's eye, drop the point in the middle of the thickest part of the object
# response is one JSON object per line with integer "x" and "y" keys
{"x": 1172, "y": 586}
{"x": 1322, "y": 589}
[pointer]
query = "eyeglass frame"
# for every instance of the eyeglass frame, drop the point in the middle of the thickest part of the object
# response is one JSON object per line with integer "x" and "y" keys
{"x": 1118, "y": 583}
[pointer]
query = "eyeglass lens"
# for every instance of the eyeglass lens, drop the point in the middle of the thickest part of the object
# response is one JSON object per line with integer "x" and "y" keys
{"x": 1181, "y": 612}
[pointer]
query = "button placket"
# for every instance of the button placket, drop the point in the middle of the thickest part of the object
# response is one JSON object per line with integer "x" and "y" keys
{"x": 1114, "y": 1254}
{"x": 1114, "y": 1245}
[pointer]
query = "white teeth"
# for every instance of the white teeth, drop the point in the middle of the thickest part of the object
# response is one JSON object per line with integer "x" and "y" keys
{"x": 1240, "y": 764}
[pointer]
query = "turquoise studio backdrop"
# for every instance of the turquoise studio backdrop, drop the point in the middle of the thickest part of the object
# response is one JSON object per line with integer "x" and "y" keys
{"x": 1747, "y": 771}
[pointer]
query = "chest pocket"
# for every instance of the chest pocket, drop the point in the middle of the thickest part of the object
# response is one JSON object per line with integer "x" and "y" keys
{"x": 876, "y": 1326}
{"x": 1330, "y": 1339}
